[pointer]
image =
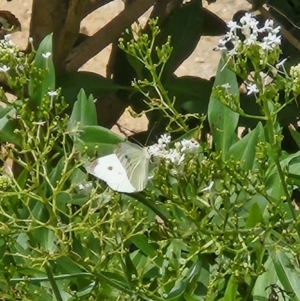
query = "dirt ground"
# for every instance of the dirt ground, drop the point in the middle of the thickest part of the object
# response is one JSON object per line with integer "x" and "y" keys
{"x": 203, "y": 61}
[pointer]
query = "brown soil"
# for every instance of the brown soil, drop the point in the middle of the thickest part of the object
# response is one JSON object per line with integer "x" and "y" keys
{"x": 203, "y": 61}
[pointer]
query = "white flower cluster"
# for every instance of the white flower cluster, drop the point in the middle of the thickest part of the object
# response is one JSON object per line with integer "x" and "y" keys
{"x": 10, "y": 53}
{"x": 8, "y": 47}
{"x": 174, "y": 155}
{"x": 248, "y": 27}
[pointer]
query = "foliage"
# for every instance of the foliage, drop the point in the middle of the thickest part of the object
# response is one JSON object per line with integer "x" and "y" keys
{"x": 218, "y": 224}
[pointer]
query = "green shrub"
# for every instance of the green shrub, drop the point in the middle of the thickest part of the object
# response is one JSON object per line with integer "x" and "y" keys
{"x": 217, "y": 220}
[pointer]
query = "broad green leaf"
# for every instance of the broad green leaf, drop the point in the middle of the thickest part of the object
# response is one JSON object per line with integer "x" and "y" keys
{"x": 142, "y": 242}
{"x": 295, "y": 134}
{"x": 244, "y": 150}
{"x": 39, "y": 211}
{"x": 285, "y": 11}
{"x": 192, "y": 93}
{"x": 64, "y": 198}
{"x": 91, "y": 83}
{"x": 222, "y": 120}
{"x": 4, "y": 111}
{"x": 38, "y": 87}
{"x": 183, "y": 283}
{"x": 7, "y": 128}
{"x": 198, "y": 284}
{"x": 260, "y": 289}
{"x": 273, "y": 182}
{"x": 212, "y": 24}
{"x": 287, "y": 272}
{"x": 131, "y": 270}
{"x": 56, "y": 172}
{"x": 122, "y": 69}
{"x": 86, "y": 291}
{"x": 115, "y": 280}
{"x": 2, "y": 247}
{"x": 84, "y": 112}
{"x": 97, "y": 138}
{"x": 67, "y": 266}
{"x": 184, "y": 26}
{"x": 45, "y": 239}
{"x": 255, "y": 217}
{"x": 231, "y": 289}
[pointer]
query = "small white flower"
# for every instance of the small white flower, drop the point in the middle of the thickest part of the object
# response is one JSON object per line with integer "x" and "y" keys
{"x": 189, "y": 146}
{"x": 209, "y": 187}
{"x": 84, "y": 186}
{"x": 252, "y": 89}
{"x": 281, "y": 63}
{"x": 233, "y": 26}
{"x": 269, "y": 23}
{"x": 156, "y": 150}
{"x": 30, "y": 39}
{"x": 4, "y": 68}
{"x": 270, "y": 41}
{"x": 251, "y": 40}
{"x": 39, "y": 122}
{"x": 52, "y": 93}
{"x": 164, "y": 139}
{"x": 221, "y": 44}
{"x": 175, "y": 157}
{"x": 46, "y": 55}
{"x": 226, "y": 86}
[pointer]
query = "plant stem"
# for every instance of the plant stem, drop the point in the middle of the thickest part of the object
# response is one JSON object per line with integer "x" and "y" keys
{"x": 272, "y": 140}
{"x": 53, "y": 283}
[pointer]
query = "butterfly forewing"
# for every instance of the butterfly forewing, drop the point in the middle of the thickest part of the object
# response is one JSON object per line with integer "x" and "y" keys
{"x": 135, "y": 160}
{"x": 110, "y": 170}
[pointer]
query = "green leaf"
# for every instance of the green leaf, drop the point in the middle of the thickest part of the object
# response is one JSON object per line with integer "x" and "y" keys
{"x": 231, "y": 289}
{"x": 67, "y": 265}
{"x": 2, "y": 247}
{"x": 244, "y": 150}
{"x": 260, "y": 289}
{"x": 255, "y": 217}
{"x": 273, "y": 183}
{"x": 287, "y": 272}
{"x": 184, "y": 26}
{"x": 90, "y": 82}
{"x": 84, "y": 111}
{"x": 131, "y": 271}
{"x": 142, "y": 242}
{"x": 97, "y": 138}
{"x": 56, "y": 172}
{"x": 222, "y": 120}
{"x": 183, "y": 284}
{"x": 38, "y": 87}
{"x": 114, "y": 280}
{"x": 295, "y": 134}
{"x": 8, "y": 125}
{"x": 192, "y": 93}
{"x": 45, "y": 238}
{"x": 4, "y": 111}
{"x": 212, "y": 24}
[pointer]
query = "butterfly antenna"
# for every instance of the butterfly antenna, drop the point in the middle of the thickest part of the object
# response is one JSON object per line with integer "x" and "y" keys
{"x": 124, "y": 130}
{"x": 150, "y": 133}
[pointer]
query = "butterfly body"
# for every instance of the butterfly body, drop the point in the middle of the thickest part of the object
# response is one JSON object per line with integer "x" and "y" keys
{"x": 126, "y": 170}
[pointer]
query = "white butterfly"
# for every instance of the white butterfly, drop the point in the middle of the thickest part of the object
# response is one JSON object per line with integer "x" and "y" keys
{"x": 126, "y": 170}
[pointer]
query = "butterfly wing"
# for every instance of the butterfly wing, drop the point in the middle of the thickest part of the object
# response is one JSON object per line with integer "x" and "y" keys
{"x": 135, "y": 160}
{"x": 110, "y": 170}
